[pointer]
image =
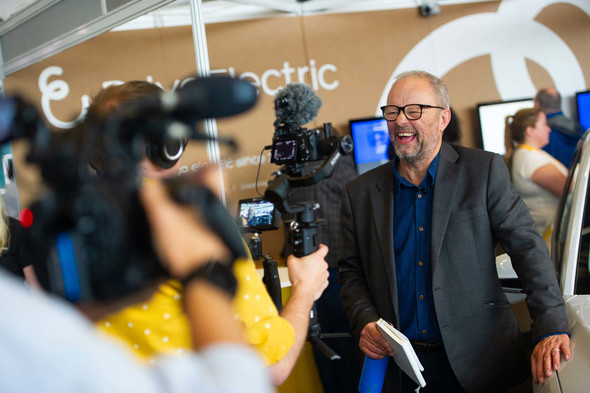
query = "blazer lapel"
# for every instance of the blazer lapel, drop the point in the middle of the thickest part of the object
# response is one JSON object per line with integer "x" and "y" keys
{"x": 382, "y": 213}
{"x": 445, "y": 185}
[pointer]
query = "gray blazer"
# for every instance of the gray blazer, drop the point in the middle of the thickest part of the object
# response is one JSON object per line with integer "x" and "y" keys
{"x": 475, "y": 207}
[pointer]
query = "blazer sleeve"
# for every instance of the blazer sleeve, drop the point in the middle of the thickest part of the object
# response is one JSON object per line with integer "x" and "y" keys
{"x": 514, "y": 229}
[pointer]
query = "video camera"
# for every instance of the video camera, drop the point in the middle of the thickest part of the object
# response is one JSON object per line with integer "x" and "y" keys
{"x": 296, "y": 147}
{"x": 90, "y": 236}
{"x": 307, "y": 157}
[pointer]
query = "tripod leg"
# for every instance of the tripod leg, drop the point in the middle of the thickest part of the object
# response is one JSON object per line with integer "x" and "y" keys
{"x": 314, "y": 336}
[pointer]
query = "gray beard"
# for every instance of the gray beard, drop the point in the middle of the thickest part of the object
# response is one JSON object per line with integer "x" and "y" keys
{"x": 425, "y": 146}
{"x": 412, "y": 158}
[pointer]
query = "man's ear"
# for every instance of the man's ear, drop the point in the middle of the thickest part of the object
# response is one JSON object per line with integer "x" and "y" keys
{"x": 445, "y": 119}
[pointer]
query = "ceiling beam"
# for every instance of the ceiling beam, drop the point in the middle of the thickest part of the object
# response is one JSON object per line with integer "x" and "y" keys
{"x": 47, "y": 28}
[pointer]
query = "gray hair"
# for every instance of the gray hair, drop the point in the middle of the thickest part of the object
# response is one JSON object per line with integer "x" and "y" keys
{"x": 440, "y": 90}
{"x": 549, "y": 100}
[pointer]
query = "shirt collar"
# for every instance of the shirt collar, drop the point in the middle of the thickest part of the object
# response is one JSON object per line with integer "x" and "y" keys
{"x": 427, "y": 181}
{"x": 550, "y": 115}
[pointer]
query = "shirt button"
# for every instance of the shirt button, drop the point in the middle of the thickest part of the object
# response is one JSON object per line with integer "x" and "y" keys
{"x": 420, "y": 229}
{"x": 424, "y": 331}
{"x": 421, "y": 297}
{"x": 420, "y": 263}
{"x": 419, "y": 195}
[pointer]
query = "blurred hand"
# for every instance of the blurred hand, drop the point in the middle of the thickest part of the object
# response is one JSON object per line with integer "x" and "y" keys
{"x": 373, "y": 344}
{"x": 309, "y": 274}
{"x": 153, "y": 171}
{"x": 207, "y": 175}
{"x": 181, "y": 240}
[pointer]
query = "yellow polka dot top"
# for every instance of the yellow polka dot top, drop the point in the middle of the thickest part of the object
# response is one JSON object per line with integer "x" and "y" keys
{"x": 160, "y": 325}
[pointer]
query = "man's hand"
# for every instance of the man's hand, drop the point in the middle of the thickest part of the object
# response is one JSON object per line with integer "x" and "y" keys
{"x": 309, "y": 274}
{"x": 373, "y": 344}
{"x": 547, "y": 355}
{"x": 181, "y": 240}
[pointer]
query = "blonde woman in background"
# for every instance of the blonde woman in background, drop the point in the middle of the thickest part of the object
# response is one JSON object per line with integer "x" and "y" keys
{"x": 4, "y": 233}
{"x": 14, "y": 255}
{"x": 536, "y": 175}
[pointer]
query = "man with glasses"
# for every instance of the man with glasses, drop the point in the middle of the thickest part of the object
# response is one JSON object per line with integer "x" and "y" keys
{"x": 419, "y": 236}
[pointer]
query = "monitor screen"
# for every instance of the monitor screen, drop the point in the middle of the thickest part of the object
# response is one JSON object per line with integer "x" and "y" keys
{"x": 492, "y": 117}
{"x": 583, "y": 105}
{"x": 371, "y": 141}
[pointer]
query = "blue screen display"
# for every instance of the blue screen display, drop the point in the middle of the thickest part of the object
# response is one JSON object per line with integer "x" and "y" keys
{"x": 371, "y": 142}
{"x": 583, "y": 101}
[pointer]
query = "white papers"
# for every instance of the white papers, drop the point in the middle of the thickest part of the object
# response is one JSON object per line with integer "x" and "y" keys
{"x": 405, "y": 356}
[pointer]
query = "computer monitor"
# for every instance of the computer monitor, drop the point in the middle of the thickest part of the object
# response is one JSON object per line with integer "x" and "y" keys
{"x": 371, "y": 142}
{"x": 583, "y": 105}
{"x": 492, "y": 116}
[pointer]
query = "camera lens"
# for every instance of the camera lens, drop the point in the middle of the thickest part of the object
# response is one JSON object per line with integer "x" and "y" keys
{"x": 173, "y": 148}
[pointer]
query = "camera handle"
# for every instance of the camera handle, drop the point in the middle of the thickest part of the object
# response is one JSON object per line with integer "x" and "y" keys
{"x": 270, "y": 278}
{"x": 303, "y": 237}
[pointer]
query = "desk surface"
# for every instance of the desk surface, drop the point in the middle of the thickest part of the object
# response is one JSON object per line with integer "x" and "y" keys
{"x": 283, "y": 275}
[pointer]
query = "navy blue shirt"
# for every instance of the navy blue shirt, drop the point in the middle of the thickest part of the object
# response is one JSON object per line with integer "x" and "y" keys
{"x": 563, "y": 141}
{"x": 412, "y": 221}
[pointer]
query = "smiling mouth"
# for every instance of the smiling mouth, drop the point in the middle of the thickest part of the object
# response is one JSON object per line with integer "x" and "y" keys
{"x": 405, "y": 137}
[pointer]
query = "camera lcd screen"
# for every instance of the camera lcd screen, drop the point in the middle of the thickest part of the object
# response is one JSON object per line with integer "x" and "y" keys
{"x": 284, "y": 150}
{"x": 257, "y": 214}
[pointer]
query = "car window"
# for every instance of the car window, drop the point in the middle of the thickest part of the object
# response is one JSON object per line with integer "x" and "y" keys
{"x": 583, "y": 269}
{"x": 562, "y": 215}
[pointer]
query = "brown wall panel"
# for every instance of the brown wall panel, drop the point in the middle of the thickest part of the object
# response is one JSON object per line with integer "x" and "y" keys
{"x": 348, "y": 58}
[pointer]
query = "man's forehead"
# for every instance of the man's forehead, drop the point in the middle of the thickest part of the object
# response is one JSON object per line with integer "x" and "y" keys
{"x": 411, "y": 88}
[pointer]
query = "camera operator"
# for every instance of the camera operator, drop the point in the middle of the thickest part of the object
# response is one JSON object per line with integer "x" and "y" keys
{"x": 160, "y": 325}
{"x": 46, "y": 347}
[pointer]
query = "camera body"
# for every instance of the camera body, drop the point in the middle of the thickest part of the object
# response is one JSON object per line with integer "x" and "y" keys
{"x": 299, "y": 147}
{"x": 303, "y": 152}
{"x": 429, "y": 9}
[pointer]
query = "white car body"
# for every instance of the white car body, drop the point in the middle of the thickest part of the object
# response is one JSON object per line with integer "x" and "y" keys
{"x": 570, "y": 252}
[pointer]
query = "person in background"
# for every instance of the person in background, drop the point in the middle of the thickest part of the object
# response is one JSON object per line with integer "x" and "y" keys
{"x": 47, "y": 346}
{"x": 337, "y": 376}
{"x": 418, "y": 250}
{"x": 14, "y": 268}
{"x": 537, "y": 176}
{"x": 565, "y": 132}
{"x": 160, "y": 325}
{"x": 452, "y": 133}
{"x": 15, "y": 257}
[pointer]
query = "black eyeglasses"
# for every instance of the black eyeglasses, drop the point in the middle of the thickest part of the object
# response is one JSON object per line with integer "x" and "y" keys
{"x": 411, "y": 111}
